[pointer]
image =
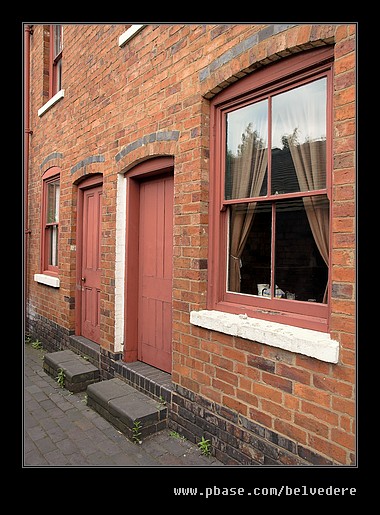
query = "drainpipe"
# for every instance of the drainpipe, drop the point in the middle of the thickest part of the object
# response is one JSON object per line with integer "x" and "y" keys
{"x": 27, "y": 33}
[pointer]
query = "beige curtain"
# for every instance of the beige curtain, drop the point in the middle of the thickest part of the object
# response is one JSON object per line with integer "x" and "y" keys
{"x": 248, "y": 172}
{"x": 310, "y": 163}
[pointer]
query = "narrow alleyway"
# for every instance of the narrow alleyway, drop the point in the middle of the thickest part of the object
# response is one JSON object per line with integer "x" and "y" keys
{"x": 60, "y": 430}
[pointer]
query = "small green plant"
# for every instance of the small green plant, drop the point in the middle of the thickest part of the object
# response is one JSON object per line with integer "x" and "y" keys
{"x": 61, "y": 377}
{"x": 136, "y": 433}
{"x": 161, "y": 402}
{"x": 175, "y": 434}
{"x": 204, "y": 446}
{"x": 37, "y": 344}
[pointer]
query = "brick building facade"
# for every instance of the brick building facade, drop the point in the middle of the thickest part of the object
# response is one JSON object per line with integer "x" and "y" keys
{"x": 129, "y": 124}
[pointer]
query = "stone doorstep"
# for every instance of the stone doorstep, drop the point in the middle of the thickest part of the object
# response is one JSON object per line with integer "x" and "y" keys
{"x": 124, "y": 406}
{"x": 78, "y": 373}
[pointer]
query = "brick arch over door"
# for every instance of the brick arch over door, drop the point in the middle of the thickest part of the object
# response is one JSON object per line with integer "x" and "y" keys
{"x": 149, "y": 256}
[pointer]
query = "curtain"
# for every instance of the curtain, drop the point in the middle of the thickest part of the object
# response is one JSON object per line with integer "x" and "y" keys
{"x": 299, "y": 118}
{"x": 248, "y": 172}
{"x": 310, "y": 163}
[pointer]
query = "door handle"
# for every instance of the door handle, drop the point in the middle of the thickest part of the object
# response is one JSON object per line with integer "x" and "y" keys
{"x": 83, "y": 279}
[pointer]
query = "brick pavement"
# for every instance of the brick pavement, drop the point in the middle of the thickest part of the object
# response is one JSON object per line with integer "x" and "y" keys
{"x": 60, "y": 430}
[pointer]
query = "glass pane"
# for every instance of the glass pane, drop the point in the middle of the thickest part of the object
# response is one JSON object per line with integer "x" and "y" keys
{"x": 250, "y": 248}
{"x": 302, "y": 236}
{"x": 58, "y": 75}
{"x": 52, "y": 202}
{"x": 53, "y": 247}
{"x": 247, "y": 151}
{"x": 57, "y": 39}
{"x": 299, "y": 139}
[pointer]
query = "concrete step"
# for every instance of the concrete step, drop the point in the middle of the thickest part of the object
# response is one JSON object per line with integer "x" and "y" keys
{"x": 126, "y": 408}
{"x": 77, "y": 373}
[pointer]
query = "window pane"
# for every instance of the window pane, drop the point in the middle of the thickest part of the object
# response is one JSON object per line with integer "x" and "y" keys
{"x": 299, "y": 139}
{"x": 250, "y": 247}
{"x": 301, "y": 256}
{"x": 58, "y": 75}
{"x": 301, "y": 249}
{"x": 53, "y": 245}
{"x": 52, "y": 202}
{"x": 247, "y": 151}
{"x": 57, "y": 39}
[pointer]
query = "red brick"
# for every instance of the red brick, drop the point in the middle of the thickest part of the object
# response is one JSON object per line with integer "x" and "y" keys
{"x": 260, "y": 417}
{"x": 311, "y": 424}
{"x": 329, "y": 448}
{"x": 234, "y": 404}
{"x": 319, "y": 413}
{"x": 290, "y": 430}
{"x": 276, "y": 410}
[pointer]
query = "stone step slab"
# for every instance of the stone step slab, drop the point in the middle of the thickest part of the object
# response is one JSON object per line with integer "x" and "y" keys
{"x": 78, "y": 373}
{"x": 126, "y": 408}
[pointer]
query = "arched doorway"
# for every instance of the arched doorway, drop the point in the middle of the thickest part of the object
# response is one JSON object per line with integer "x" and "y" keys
{"x": 149, "y": 256}
{"x": 88, "y": 276}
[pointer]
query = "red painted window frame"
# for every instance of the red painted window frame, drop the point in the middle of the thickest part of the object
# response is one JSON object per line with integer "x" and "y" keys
{"x": 286, "y": 73}
{"x": 50, "y": 176}
{"x": 55, "y": 61}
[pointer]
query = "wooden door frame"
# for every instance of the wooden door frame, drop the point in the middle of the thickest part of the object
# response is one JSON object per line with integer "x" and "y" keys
{"x": 154, "y": 167}
{"x": 87, "y": 183}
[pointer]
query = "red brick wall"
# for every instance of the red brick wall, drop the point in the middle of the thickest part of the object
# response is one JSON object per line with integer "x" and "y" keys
{"x": 159, "y": 82}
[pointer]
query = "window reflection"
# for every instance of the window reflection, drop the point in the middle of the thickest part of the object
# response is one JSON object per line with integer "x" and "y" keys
{"x": 247, "y": 151}
{"x": 301, "y": 252}
{"x": 298, "y": 149}
{"x": 250, "y": 246}
{"x": 301, "y": 248}
{"x": 299, "y": 139}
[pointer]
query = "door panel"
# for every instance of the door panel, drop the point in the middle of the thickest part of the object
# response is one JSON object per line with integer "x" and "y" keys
{"x": 155, "y": 272}
{"x": 90, "y": 272}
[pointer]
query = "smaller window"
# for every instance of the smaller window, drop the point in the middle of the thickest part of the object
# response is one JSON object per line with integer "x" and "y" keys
{"x": 56, "y": 48}
{"x": 51, "y": 189}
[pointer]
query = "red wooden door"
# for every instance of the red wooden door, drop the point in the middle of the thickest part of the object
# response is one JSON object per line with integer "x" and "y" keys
{"x": 155, "y": 273}
{"x": 90, "y": 264}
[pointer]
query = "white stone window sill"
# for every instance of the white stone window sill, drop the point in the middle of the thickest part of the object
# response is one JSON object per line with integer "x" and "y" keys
{"x": 51, "y": 102}
{"x": 49, "y": 280}
{"x": 129, "y": 34}
{"x": 294, "y": 339}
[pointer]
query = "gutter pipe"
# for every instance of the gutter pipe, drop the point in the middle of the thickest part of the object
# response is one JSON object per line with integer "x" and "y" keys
{"x": 28, "y": 31}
